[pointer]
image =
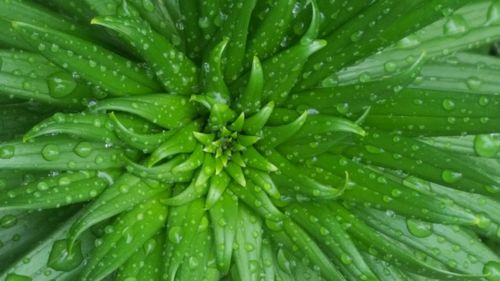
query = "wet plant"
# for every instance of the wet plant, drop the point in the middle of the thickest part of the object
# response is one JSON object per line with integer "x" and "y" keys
{"x": 249, "y": 140}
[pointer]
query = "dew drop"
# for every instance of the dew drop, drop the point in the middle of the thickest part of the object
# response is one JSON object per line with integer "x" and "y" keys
{"x": 274, "y": 225}
{"x": 50, "y": 152}
{"x": 390, "y": 66}
{"x": 493, "y": 15}
{"x": 61, "y": 84}
{"x": 448, "y": 104}
{"x": 42, "y": 186}
{"x": 451, "y": 176}
{"x": 483, "y": 222}
{"x": 473, "y": 83}
{"x": 455, "y": 25}
{"x": 373, "y": 149}
{"x": 7, "y": 151}
{"x": 486, "y": 145}
{"x": 8, "y": 221}
{"x": 345, "y": 259}
{"x": 484, "y": 101}
{"x": 396, "y": 192}
{"x": 419, "y": 228}
{"x": 62, "y": 260}
{"x": 193, "y": 262}
{"x": 491, "y": 270}
{"x": 148, "y": 5}
{"x": 343, "y": 108}
{"x": 150, "y": 246}
{"x": 83, "y": 149}
{"x": 174, "y": 234}
{"x": 356, "y": 36}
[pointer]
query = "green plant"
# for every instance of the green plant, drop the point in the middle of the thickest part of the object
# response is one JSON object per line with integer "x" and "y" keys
{"x": 249, "y": 140}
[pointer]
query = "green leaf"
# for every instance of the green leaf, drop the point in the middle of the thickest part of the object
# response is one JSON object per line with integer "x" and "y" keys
{"x": 33, "y": 265}
{"x": 54, "y": 192}
{"x": 293, "y": 237}
{"x": 182, "y": 141}
{"x": 145, "y": 262}
{"x": 224, "y": 221}
{"x": 435, "y": 165}
{"x": 387, "y": 248}
{"x": 176, "y": 72}
{"x": 168, "y": 111}
{"x": 330, "y": 234}
{"x": 248, "y": 239}
{"x": 92, "y": 127}
{"x": 184, "y": 222}
{"x": 251, "y": 99}
{"x": 17, "y": 118}
{"x": 300, "y": 182}
{"x": 267, "y": 37}
{"x": 144, "y": 142}
{"x": 213, "y": 76}
{"x": 373, "y": 187}
{"x": 453, "y": 246}
{"x": 23, "y": 230}
{"x": 128, "y": 233}
{"x": 100, "y": 66}
{"x": 236, "y": 27}
{"x": 59, "y": 153}
{"x": 127, "y": 192}
{"x": 29, "y": 76}
{"x": 480, "y": 28}
{"x": 343, "y": 44}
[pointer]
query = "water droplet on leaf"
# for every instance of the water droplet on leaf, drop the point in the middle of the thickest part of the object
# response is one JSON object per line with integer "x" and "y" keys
{"x": 419, "y": 228}
{"x": 62, "y": 260}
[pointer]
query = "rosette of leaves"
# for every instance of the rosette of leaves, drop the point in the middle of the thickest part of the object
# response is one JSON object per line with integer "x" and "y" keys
{"x": 249, "y": 140}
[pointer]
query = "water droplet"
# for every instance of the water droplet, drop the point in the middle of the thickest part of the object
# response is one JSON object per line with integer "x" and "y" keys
{"x": 148, "y": 5}
{"x": 373, "y": 149}
{"x": 345, "y": 259}
{"x": 323, "y": 231}
{"x": 343, "y": 108}
{"x": 451, "y": 176}
{"x": 419, "y": 228}
{"x": 493, "y": 15}
{"x": 491, "y": 270}
{"x": 249, "y": 247}
{"x": 61, "y": 84}
{"x": 473, "y": 83}
{"x": 50, "y": 152}
{"x": 364, "y": 77}
{"x": 150, "y": 246}
{"x": 486, "y": 145}
{"x": 356, "y": 36}
{"x": 83, "y": 149}
{"x": 7, "y": 151}
{"x": 42, "y": 186}
{"x": 8, "y": 221}
{"x": 396, "y": 192}
{"x": 64, "y": 181}
{"x": 390, "y": 66}
{"x": 274, "y": 225}
{"x": 483, "y": 222}
{"x": 193, "y": 262}
{"x": 448, "y": 104}
{"x": 483, "y": 101}
{"x": 455, "y": 24}
{"x": 174, "y": 234}
{"x": 62, "y": 260}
